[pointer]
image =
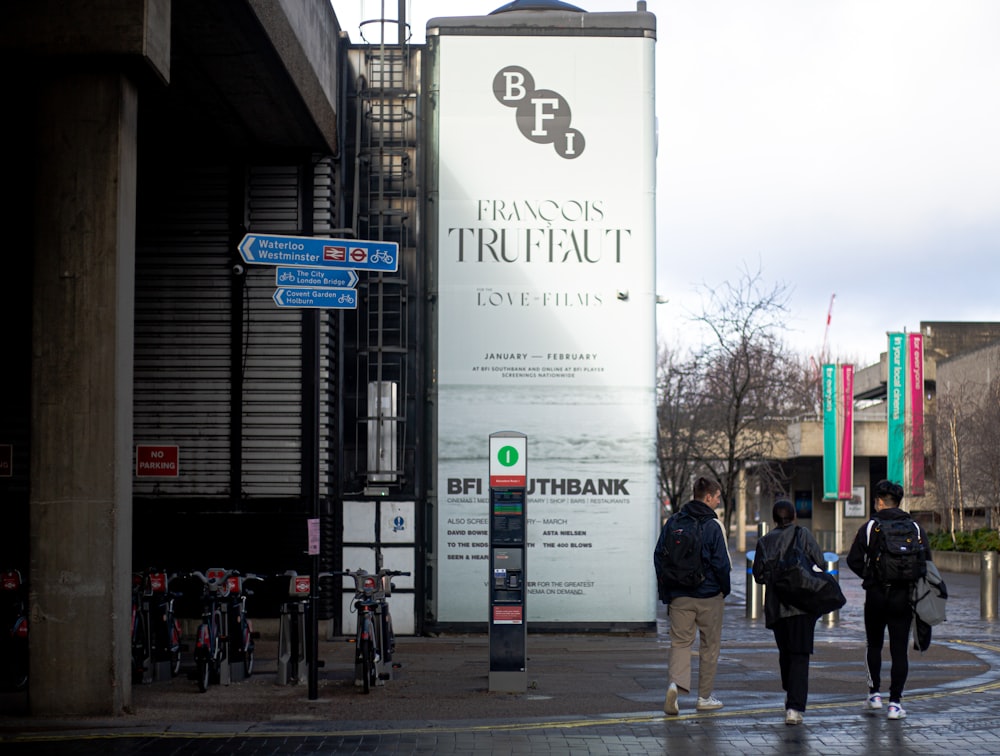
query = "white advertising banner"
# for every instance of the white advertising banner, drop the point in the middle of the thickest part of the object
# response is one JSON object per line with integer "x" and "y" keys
{"x": 545, "y": 317}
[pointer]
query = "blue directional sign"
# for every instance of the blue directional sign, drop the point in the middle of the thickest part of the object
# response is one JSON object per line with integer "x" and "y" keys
{"x": 316, "y": 277}
{"x": 314, "y": 252}
{"x": 301, "y": 296}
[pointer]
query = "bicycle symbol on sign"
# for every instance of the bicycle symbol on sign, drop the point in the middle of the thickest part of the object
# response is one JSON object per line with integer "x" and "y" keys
{"x": 381, "y": 256}
{"x": 287, "y": 276}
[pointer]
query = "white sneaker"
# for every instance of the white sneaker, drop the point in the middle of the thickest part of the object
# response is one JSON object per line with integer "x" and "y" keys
{"x": 874, "y": 701}
{"x": 793, "y": 717}
{"x": 708, "y": 704}
{"x": 670, "y": 703}
{"x": 896, "y": 711}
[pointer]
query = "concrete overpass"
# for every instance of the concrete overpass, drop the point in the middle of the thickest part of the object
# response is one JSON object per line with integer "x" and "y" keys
{"x": 89, "y": 86}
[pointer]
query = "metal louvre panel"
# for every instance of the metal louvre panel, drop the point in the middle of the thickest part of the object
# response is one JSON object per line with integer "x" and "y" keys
{"x": 272, "y": 358}
{"x": 325, "y": 196}
{"x": 182, "y": 334}
{"x": 187, "y": 310}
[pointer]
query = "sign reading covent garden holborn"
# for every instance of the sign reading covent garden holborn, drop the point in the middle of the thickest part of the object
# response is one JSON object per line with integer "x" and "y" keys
{"x": 542, "y": 197}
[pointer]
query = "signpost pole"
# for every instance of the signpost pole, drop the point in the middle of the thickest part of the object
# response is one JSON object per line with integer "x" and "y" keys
{"x": 311, "y": 463}
{"x": 315, "y": 273}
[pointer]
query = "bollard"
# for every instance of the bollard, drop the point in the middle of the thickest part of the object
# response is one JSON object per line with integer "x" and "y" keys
{"x": 988, "y": 585}
{"x": 292, "y": 643}
{"x": 762, "y": 528}
{"x": 832, "y": 567}
{"x": 754, "y": 592}
{"x": 292, "y": 657}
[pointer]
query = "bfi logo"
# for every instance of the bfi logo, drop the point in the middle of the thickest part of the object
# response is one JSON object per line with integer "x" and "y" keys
{"x": 543, "y": 116}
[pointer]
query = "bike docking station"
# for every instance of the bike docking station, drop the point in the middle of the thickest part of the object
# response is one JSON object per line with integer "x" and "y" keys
{"x": 161, "y": 642}
{"x": 224, "y": 641}
{"x": 508, "y": 626}
{"x": 292, "y": 656}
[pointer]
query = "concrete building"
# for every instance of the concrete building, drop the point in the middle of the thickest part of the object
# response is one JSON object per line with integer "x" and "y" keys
{"x": 957, "y": 348}
{"x": 968, "y": 448}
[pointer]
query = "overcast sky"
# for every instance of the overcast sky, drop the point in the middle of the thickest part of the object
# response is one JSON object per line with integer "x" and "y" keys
{"x": 847, "y": 147}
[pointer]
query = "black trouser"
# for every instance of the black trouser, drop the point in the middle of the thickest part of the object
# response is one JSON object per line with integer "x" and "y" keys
{"x": 888, "y": 607}
{"x": 794, "y": 638}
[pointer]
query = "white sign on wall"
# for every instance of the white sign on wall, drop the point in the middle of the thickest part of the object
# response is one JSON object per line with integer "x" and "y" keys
{"x": 545, "y": 316}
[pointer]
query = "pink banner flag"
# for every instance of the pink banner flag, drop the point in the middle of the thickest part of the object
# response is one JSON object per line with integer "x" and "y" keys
{"x": 915, "y": 354}
{"x": 846, "y": 478}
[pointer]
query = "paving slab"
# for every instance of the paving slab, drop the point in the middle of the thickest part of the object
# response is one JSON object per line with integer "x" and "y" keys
{"x": 586, "y": 693}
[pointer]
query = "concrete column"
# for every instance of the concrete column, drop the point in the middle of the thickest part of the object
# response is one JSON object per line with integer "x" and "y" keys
{"x": 81, "y": 447}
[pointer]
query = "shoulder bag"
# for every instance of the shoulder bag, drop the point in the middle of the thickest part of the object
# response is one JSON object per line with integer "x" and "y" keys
{"x": 800, "y": 583}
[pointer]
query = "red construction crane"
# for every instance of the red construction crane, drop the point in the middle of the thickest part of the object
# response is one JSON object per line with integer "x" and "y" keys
{"x": 823, "y": 356}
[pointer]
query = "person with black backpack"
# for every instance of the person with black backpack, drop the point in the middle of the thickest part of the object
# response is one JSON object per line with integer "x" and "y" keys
{"x": 693, "y": 577}
{"x": 890, "y": 553}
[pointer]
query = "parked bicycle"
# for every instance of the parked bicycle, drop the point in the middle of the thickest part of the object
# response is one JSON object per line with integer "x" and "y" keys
{"x": 156, "y": 631}
{"x": 142, "y": 651}
{"x": 164, "y": 627}
{"x": 374, "y": 639}
{"x": 225, "y": 631}
{"x": 241, "y": 642}
{"x": 14, "y": 608}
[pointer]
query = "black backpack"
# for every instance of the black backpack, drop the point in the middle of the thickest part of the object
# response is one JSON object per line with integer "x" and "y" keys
{"x": 899, "y": 555}
{"x": 678, "y": 553}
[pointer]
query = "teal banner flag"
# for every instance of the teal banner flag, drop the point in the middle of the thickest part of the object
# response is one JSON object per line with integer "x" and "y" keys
{"x": 896, "y": 407}
{"x": 831, "y": 448}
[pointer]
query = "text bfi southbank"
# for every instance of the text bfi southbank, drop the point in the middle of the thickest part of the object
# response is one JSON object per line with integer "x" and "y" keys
{"x": 551, "y": 486}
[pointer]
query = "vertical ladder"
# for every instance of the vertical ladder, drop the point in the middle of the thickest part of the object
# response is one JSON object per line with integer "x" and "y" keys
{"x": 385, "y": 210}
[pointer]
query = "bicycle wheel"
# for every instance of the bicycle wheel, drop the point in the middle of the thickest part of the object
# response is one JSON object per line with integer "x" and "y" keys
{"x": 247, "y": 652}
{"x": 20, "y": 679}
{"x": 367, "y": 666}
{"x": 18, "y": 663}
{"x": 204, "y": 672}
{"x": 175, "y": 648}
{"x": 175, "y": 663}
{"x": 140, "y": 650}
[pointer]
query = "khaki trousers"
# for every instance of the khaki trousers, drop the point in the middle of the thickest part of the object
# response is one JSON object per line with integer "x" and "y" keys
{"x": 686, "y": 616}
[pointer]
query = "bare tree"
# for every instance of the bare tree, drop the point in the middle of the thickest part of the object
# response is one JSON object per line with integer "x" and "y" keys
{"x": 967, "y": 450}
{"x": 950, "y": 450}
{"x": 981, "y": 458}
{"x": 988, "y": 443}
{"x": 676, "y": 407}
{"x": 750, "y": 384}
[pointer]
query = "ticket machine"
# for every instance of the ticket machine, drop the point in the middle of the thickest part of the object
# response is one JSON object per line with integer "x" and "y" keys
{"x": 508, "y": 586}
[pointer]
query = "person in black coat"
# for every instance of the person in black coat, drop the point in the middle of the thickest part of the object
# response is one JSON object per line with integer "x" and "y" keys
{"x": 887, "y": 606}
{"x": 793, "y": 629}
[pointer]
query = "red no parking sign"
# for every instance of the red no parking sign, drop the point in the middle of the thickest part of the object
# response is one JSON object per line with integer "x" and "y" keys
{"x": 157, "y": 461}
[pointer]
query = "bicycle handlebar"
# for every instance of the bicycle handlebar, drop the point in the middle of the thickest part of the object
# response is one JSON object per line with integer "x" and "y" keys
{"x": 380, "y": 586}
{"x": 219, "y": 584}
{"x": 364, "y": 573}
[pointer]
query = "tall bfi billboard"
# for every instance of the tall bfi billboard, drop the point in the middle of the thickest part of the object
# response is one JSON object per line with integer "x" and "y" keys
{"x": 541, "y": 192}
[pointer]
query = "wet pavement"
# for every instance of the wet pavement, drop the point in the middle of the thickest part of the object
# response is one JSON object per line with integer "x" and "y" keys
{"x": 587, "y": 694}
